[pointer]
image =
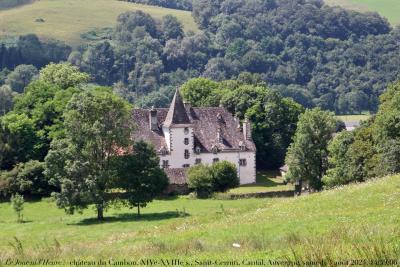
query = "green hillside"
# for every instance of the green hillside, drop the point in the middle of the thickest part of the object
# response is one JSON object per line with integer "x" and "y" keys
{"x": 387, "y": 8}
{"x": 66, "y": 20}
{"x": 354, "y": 222}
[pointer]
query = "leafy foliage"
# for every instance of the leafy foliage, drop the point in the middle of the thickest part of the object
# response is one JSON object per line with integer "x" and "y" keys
{"x": 26, "y": 178}
{"x": 28, "y": 49}
{"x": 140, "y": 176}
{"x": 320, "y": 56}
{"x": 225, "y": 176}
{"x": 21, "y": 77}
{"x": 6, "y": 99}
{"x": 218, "y": 177}
{"x": 63, "y": 75}
{"x": 200, "y": 179}
{"x": 175, "y": 4}
{"x": 96, "y": 129}
{"x": 307, "y": 156}
{"x": 18, "y": 140}
{"x": 273, "y": 117}
{"x": 17, "y": 203}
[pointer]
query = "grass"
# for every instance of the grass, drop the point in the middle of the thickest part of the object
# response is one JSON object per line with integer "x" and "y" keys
{"x": 269, "y": 181}
{"x": 350, "y": 118}
{"x": 354, "y": 222}
{"x": 386, "y": 8}
{"x": 66, "y": 20}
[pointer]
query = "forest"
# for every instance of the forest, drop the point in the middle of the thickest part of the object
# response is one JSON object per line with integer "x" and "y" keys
{"x": 320, "y": 56}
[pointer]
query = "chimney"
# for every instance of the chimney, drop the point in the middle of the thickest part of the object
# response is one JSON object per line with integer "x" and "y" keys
{"x": 153, "y": 119}
{"x": 247, "y": 129}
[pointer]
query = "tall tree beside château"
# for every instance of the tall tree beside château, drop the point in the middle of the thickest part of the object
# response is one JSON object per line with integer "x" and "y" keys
{"x": 96, "y": 130}
{"x": 307, "y": 156}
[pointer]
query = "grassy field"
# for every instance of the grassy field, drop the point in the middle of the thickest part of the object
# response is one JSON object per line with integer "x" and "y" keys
{"x": 66, "y": 20}
{"x": 386, "y": 8}
{"x": 266, "y": 182}
{"x": 354, "y": 222}
{"x": 348, "y": 118}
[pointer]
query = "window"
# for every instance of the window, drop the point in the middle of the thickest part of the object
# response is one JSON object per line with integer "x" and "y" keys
{"x": 242, "y": 147}
{"x": 186, "y": 130}
{"x": 186, "y": 165}
{"x": 165, "y": 164}
{"x": 163, "y": 151}
{"x": 214, "y": 149}
{"x": 186, "y": 141}
{"x": 215, "y": 160}
{"x": 187, "y": 154}
{"x": 242, "y": 162}
{"x": 198, "y": 161}
{"x": 198, "y": 150}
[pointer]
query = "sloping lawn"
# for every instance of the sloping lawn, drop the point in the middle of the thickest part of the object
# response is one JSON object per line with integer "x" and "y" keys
{"x": 386, "y": 8}
{"x": 357, "y": 222}
{"x": 267, "y": 181}
{"x": 66, "y": 20}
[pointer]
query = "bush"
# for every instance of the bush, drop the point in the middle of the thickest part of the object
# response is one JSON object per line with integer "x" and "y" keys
{"x": 17, "y": 203}
{"x": 25, "y": 178}
{"x": 224, "y": 176}
{"x": 200, "y": 180}
{"x": 219, "y": 177}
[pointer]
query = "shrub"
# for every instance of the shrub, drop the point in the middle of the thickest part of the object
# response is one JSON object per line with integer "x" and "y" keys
{"x": 200, "y": 180}
{"x": 25, "y": 178}
{"x": 17, "y": 203}
{"x": 224, "y": 176}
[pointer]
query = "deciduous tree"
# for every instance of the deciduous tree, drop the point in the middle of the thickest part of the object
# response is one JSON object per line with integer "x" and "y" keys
{"x": 140, "y": 176}
{"x": 97, "y": 129}
{"x": 307, "y": 156}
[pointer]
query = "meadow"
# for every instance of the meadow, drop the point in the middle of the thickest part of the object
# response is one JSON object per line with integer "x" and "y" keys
{"x": 66, "y": 20}
{"x": 266, "y": 181}
{"x": 353, "y": 118}
{"x": 386, "y": 8}
{"x": 356, "y": 222}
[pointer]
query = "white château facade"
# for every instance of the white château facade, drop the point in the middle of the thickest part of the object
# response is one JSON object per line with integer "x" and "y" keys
{"x": 185, "y": 136}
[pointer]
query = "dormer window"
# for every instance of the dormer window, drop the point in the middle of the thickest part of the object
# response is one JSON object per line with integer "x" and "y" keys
{"x": 197, "y": 150}
{"x": 220, "y": 118}
{"x": 163, "y": 151}
{"x": 242, "y": 146}
{"x": 219, "y": 136}
{"x": 214, "y": 149}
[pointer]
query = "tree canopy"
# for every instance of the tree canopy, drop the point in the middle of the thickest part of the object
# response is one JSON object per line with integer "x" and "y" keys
{"x": 140, "y": 176}
{"x": 96, "y": 130}
{"x": 307, "y": 156}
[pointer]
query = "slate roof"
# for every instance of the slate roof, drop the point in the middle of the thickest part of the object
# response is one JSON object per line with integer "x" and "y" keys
{"x": 143, "y": 131}
{"x": 176, "y": 175}
{"x": 177, "y": 112}
{"x": 213, "y": 127}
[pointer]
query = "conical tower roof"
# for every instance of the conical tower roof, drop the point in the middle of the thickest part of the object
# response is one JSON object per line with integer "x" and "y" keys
{"x": 177, "y": 112}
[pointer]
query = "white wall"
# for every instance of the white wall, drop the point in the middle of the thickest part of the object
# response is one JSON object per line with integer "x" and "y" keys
{"x": 177, "y": 149}
{"x": 167, "y": 137}
{"x": 246, "y": 173}
{"x": 177, "y": 159}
